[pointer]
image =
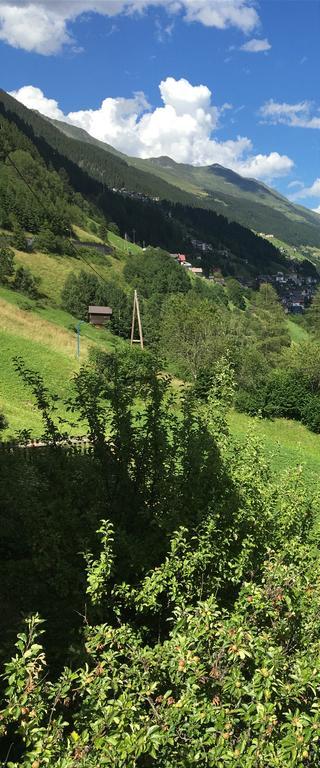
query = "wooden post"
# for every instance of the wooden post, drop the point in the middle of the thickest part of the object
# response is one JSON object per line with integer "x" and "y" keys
{"x": 136, "y": 315}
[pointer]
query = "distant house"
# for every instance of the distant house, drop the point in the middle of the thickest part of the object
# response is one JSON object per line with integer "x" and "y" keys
{"x": 99, "y": 315}
{"x": 197, "y": 271}
{"x": 182, "y": 258}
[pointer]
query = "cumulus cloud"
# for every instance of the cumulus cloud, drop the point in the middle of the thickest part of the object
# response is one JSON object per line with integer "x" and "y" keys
{"x": 304, "y": 114}
{"x": 182, "y": 128}
{"x": 256, "y": 45}
{"x": 33, "y": 98}
{"x": 42, "y": 26}
{"x": 316, "y": 210}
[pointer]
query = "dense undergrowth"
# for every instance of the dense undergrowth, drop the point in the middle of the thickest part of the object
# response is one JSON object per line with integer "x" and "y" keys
{"x": 187, "y": 631}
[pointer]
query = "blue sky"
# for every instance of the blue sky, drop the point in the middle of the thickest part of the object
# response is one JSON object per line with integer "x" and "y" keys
{"x": 229, "y": 81}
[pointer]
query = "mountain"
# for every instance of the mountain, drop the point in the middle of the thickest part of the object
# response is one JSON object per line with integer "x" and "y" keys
{"x": 247, "y": 201}
{"x": 144, "y": 206}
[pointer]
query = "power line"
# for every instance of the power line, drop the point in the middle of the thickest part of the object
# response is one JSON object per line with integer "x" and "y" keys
{"x": 34, "y": 193}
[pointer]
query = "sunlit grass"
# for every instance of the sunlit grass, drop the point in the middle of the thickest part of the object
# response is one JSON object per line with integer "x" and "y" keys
{"x": 287, "y": 443}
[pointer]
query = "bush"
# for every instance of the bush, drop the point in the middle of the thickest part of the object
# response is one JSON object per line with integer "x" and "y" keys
{"x": 3, "y": 422}
{"x": 114, "y": 228}
{"x": 46, "y": 241}
{"x": 26, "y": 282}
{"x": 286, "y": 394}
{"x": 310, "y": 413}
{"x": 6, "y": 265}
{"x": 18, "y": 239}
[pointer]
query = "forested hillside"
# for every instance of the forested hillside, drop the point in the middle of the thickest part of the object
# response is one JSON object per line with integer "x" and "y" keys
{"x": 164, "y": 225}
{"x": 247, "y": 201}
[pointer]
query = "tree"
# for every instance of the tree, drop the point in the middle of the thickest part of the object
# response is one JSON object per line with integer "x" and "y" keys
{"x": 19, "y": 239}
{"x": 194, "y": 334}
{"x": 235, "y": 293}
{"x": 114, "y": 228}
{"x": 26, "y": 282}
{"x": 103, "y": 232}
{"x": 6, "y": 265}
{"x": 46, "y": 241}
{"x": 313, "y": 314}
{"x": 109, "y": 294}
{"x": 266, "y": 323}
{"x": 79, "y": 291}
{"x": 155, "y": 272}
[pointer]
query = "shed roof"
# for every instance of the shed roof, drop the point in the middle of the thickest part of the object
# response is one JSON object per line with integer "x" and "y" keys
{"x": 100, "y": 310}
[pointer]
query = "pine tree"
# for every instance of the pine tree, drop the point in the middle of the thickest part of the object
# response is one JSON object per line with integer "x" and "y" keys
{"x": 19, "y": 239}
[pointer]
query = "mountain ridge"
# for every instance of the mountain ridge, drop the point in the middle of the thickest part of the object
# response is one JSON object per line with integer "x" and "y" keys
{"x": 249, "y": 202}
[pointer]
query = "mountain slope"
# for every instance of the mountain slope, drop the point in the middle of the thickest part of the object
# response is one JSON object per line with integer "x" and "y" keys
{"x": 247, "y": 201}
{"x": 93, "y": 172}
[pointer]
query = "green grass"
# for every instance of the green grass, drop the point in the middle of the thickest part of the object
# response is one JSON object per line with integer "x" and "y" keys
{"x": 46, "y": 340}
{"x": 297, "y": 332}
{"x": 123, "y": 246}
{"x": 53, "y": 269}
{"x": 287, "y": 443}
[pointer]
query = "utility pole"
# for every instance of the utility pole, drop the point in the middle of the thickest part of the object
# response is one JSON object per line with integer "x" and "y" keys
{"x": 136, "y": 315}
{"x": 134, "y": 235}
{"x": 78, "y": 337}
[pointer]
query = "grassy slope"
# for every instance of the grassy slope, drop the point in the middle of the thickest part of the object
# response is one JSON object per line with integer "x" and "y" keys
{"x": 44, "y": 335}
{"x": 297, "y": 332}
{"x": 288, "y": 444}
{"x": 44, "y": 338}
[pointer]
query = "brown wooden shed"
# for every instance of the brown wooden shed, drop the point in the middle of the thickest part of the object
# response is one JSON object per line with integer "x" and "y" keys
{"x": 99, "y": 315}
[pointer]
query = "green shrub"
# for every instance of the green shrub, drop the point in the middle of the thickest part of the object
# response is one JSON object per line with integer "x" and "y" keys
{"x": 6, "y": 265}
{"x": 26, "y": 282}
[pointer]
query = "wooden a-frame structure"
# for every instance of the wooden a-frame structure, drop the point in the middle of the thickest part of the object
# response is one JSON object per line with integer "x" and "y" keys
{"x": 136, "y": 316}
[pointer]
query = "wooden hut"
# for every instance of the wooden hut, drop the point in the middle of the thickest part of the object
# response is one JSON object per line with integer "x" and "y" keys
{"x": 99, "y": 315}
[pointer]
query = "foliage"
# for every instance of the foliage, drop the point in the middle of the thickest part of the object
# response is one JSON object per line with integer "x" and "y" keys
{"x": 84, "y": 289}
{"x": 170, "y": 223}
{"x": 113, "y": 228}
{"x": 266, "y": 322}
{"x": 26, "y": 282}
{"x": 313, "y": 314}
{"x": 235, "y": 293}
{"x": 103, "y": 233}
{"x": 194, "y": 334}
{"x": 19, "y": 239}
{"x": 155, "y": 272}
{"x": 234, "y": 683}
{"x": 200, "y": 642}
{"x": 3, "y": 422}
{"x": 6, "y": 264}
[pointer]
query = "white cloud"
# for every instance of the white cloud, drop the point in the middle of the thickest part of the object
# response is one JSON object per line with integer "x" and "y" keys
{"x": 256, "y": 45}
{"x": 33, "y": 28}
{"x": 308, "y": 192}
{"x": 295, "y": 184}
{"x": 42, "y": 25}
{"x": 182, "y": 128}
{"x": 33, "y": 98}
{"x": 298, "y": 115}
